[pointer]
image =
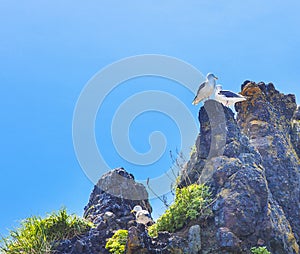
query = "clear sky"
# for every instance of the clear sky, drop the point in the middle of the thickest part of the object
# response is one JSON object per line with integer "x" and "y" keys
{"x": 50, "y": 49}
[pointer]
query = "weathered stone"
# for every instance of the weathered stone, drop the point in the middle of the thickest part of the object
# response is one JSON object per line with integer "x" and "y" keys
{"x": 109, "y": 211}
{"x": 138, "y": 241}
{"x": 228, "y": 240}
{"x": 194, "y": 240}
{"x": 252, "y": 166}
{"x": 245, "y": 209}
{"x": 268, "y": 118}
{"x": 295, "y": 132}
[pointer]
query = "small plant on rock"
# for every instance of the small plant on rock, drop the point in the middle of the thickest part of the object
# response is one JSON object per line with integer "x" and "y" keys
{"x": 190, "y": 203}
{"x": 37, "y": 235}
{"x": 260, "y": 250}
{"x": 117, "y": 243}
{"x": 152, "y": 230}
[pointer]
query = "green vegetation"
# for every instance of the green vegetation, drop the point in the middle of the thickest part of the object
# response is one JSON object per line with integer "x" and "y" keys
{"x": 152, "y": 230}
{"x": 193, "y": 150}
{"x": 117, "y": 243}
{"x": 260, "y": 250}
{"x": 190, "y": 203}
{"x": 37, "y": 235}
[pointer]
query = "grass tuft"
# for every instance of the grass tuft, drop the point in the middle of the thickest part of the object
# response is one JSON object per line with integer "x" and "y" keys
{"x": 37, "y": 235}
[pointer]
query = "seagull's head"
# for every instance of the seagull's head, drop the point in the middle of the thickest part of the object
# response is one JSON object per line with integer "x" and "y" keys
{"x": 211, "y": 76}
{"x": 137, "y": 208}
{"x": 218, "y": 88}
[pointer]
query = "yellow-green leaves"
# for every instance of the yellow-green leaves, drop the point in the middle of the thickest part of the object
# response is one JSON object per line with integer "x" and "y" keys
{"x": 190, "y": 203}
{"x": 117, "y": 243}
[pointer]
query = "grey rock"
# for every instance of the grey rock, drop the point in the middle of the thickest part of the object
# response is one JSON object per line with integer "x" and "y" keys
{"x": 194, "y": 240}
{"x": 228, "y": 240}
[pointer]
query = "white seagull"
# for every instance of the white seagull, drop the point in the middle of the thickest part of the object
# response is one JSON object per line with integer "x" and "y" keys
{"x": 141, "y": 216}
{"x": 206, "y": 88}
{"x": 227, "y": 98}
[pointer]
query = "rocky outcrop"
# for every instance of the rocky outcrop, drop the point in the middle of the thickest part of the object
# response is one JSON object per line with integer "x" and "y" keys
{"x": 251, "y": 163}
{"x": 109, "y": 211}
{"x": 269, "y": 118}
{"x": 245, "y": 212}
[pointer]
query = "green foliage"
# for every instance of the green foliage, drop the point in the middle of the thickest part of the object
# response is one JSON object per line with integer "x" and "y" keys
{"x": 117, "y": 243}
{"x": 152, "y": 230}
{"x": 190, "y": 203}
{"x": 37, "y": 235}
{"x": 260, "y": 250}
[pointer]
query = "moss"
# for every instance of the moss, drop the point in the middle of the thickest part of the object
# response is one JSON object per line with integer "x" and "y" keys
{"x": 117, "y": 243}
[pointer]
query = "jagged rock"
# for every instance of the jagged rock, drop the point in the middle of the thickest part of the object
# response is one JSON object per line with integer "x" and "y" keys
{"x": 109, "y": 211}
{"x": 245, "y": 212}
{"x": 267, "y": 119}
{"x": 138, "y": 241}
{"x": 228, "y": 240}
{"x": 251, "y": 164}
{"x": 295, "y": 131}
{"x": 194, "y": 240}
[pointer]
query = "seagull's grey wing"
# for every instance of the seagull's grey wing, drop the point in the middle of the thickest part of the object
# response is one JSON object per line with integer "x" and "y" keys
{"x": 201, "y": 87}
{"x": 230, "y": 94}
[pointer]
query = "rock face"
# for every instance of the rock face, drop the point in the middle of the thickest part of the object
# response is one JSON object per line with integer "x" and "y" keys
{"x": 245, "y": 212}
{"x": 271, "y": 122}
{"x": 109, "y": 211}
{"x": 295, "y": 131}
{"x": 252, "y": 165}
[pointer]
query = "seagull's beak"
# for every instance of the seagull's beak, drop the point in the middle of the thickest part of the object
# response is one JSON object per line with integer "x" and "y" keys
{"x": 132, "y": 211}
{"x": 216, "y": 77}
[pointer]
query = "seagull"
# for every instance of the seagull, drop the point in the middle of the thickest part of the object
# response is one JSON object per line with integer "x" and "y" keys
{"x": 206, "y": 88}
{"x": 141, "y": 216}
{"x": 227, "y": 98}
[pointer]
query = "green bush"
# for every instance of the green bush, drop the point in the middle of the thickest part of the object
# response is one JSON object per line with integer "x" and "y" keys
{"x": 152, "y": 230}
{"x": 260, "y": 250}
{"x": 37, "y": 235}
{"x": 117, "y": 243}
{"x": 190, "y": 203}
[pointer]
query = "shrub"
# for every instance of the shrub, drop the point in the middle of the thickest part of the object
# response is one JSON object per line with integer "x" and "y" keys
{"x": 37, "y": 235}
{"x": 117, "y": 243}
{"x": 152, "y": 230}
{"x": 260, "y": 250}
{"x": 190, "y": 203}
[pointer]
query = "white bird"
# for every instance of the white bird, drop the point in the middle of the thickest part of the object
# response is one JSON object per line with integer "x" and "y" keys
{"x": 141, "y": 216}
{"x": 227, "y": 98}
{"x": 206, "y": 88}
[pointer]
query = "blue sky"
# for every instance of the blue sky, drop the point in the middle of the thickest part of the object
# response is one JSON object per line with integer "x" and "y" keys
{"x": 50, "y": 49}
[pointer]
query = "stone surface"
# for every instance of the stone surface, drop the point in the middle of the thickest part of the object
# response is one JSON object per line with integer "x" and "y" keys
{"x": 194, "y": 240}
{"x": 295, "y": 131}
{"x": 109, "y": 211}
{"x": 268, "y": 118}
{"x": 251, "y": 163}
{"x": 246, "y": 211}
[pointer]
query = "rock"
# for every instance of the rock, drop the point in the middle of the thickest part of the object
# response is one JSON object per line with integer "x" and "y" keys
{"x": 295, "y": 132}
{"x": 194, "y": 240}
{"x": 245, "y": 209}
{"x": 269, "y": 119}
{"x": 138, "y": 241}
{"x": 109, "y": 211}
{"x": 252, "y": 166}
{"x": 228, "y": 240}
